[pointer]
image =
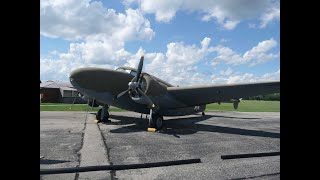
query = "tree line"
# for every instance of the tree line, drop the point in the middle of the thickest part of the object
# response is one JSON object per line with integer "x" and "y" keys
{"x": 269, "y": 97}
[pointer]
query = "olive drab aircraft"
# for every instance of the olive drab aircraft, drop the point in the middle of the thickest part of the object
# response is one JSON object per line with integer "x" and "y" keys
{"x": 131, "y": 89}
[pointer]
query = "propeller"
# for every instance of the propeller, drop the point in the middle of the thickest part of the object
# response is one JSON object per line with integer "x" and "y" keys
{"x": 134, "y": 87}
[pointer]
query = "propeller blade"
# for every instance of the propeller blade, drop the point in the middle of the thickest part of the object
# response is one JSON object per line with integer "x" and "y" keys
{"x": 150, "y": 103}
{"x": 139, "y": 68}
{"x": 122, "y": 93}
{"x": 150, "y": 116}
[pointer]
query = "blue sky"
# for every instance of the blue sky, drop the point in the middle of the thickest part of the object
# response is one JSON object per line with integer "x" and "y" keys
{"x": 112, "y": 33}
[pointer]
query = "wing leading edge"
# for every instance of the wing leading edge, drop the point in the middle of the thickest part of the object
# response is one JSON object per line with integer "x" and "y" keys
{"x": 198, "y": 95}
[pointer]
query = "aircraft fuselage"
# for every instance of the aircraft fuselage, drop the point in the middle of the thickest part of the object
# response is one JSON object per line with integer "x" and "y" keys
{"x": 104, "y": 85}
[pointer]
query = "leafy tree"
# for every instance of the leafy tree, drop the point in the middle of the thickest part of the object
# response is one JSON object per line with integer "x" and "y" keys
{"x": 268, "y": 97}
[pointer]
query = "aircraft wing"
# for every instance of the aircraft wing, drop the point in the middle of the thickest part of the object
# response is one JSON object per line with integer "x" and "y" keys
{"x": 199, "y": 95}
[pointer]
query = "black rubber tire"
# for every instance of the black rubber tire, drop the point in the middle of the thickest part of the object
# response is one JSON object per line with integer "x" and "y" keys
{"x": 156, "y": 121}
{"x": 203, "y": 114}
{"x": 98, "y": 115}
{"x": 106, "y": 117}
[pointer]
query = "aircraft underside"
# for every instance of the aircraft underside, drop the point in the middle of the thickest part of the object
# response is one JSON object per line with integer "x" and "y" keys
{"x": 127, "y": 104}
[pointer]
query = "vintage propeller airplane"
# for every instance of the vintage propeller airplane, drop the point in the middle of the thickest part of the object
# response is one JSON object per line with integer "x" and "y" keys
{"x": 131, "y": 89}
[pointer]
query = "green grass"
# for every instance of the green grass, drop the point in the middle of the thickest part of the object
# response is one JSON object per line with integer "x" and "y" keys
{"x": 70, "y": 107}
{"x": 247, "y": 106}
{"x": 244, "y": 106}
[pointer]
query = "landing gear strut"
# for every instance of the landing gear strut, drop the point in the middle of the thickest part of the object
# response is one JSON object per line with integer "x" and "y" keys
{"x": 103, "y": 114}
{"x": 156, "y": 121}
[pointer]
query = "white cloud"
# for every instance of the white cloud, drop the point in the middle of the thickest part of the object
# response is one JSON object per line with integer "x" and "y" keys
{"x": 228, "y": 13}
{"x": 227, "y": 72}
{"x": 179, "y": 65}
{"x": 236, "y": 77}
{"x": 270, "y": 15}
{"x": 101, "y": 34}
{"x": 247, "y": 77}
{"x": 230, "y": 24}
{"x": 271, "y": 76}
{"x": 257, "y": 55}
{"x": 80, "y": 19}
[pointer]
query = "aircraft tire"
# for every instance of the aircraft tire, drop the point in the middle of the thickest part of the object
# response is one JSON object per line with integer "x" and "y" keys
{"x": 106, "y": 117}
{"x": 203, "y": 114}
{"x": 98, "y": 115}
{"x": 156, "y": 121}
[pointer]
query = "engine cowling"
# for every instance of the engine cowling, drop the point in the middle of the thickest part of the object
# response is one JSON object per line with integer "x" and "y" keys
{"x": 150, "y": 87}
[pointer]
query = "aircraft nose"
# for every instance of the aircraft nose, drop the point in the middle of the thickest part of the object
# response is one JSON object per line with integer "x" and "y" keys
{"x": 74, "y": 75}
{"x": 83, "y": 77}
{"x": 99, "y": 79}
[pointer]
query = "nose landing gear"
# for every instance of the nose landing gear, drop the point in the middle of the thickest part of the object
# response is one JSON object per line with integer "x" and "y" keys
{"x": 103, "y": 114}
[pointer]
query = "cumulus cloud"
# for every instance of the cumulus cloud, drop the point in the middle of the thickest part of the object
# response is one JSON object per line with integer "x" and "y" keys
{"x": 227, "y": 72}
{"x": 236, "y": 77}
{"x": 179, "y": 65}
{"x": 98, "y": 35}
{"x": 228, "y": 13}
{"x": 79, "y": 19}
{"x": 257, "y": 55}
{"x": 273, "y": 13}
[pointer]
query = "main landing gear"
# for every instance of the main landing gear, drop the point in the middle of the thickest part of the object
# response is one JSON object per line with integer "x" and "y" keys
{"x": 103, "y": 114}
{"x": 155, "y": 121}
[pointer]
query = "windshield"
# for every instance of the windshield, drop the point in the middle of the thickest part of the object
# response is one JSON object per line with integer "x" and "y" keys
{"x": 132, "y": 72}
{"x": 123, "y": 70}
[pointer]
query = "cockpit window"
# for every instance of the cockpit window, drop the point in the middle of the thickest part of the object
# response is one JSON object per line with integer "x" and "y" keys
{"x": 124, "y": 70}
{"x": 132, "y": 72}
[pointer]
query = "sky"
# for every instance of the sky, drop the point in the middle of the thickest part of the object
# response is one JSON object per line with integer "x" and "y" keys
{"x": 184, "y": 42}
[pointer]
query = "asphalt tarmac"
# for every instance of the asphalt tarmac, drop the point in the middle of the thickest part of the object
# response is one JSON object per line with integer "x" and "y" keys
{"x": 71, "y": 139}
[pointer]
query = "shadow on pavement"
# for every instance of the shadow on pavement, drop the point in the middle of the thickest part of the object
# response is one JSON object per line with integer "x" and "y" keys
{"x": 184, "y": 126}
{"x": 49, "y": 161}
